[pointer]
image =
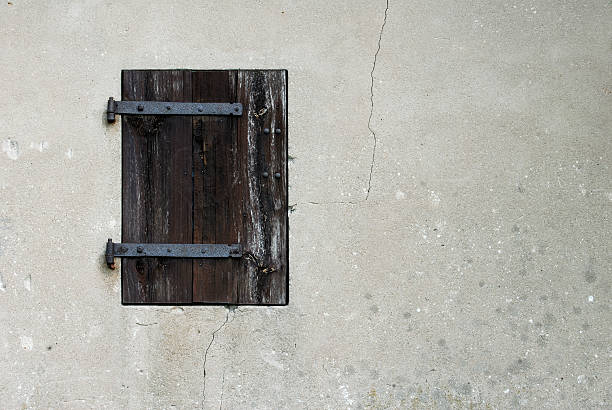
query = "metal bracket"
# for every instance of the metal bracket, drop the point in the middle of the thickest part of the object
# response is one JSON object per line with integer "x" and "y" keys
{"x": 169, "y": 108}
{"x": 169, "y": 250}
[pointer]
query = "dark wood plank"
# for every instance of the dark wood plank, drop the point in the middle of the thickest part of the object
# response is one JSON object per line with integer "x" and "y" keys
{"x": 263, "y": 201}
{"x": 157, "y": 187}
{"x": 216, "y": 212}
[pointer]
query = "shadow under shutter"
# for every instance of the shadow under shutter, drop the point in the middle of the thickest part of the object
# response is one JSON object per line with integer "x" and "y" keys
{"x": 205, "y": 179}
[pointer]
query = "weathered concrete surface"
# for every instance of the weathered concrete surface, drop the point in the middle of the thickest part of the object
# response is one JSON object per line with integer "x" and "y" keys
{"x": 477, "y": 273}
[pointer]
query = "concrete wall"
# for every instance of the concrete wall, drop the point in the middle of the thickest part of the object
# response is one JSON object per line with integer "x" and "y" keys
{"x": 476, "y": 273}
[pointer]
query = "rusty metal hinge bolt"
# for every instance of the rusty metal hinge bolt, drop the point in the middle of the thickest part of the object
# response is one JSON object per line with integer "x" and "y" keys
{"x": 276, "y": 131}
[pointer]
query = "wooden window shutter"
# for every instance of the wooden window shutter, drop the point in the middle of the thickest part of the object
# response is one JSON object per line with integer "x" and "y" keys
{"x": 205, "y": 179}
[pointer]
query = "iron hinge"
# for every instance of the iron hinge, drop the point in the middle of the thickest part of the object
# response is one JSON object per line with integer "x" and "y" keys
{"x": 169, "y": 250}
{"x": 169, "y": 108}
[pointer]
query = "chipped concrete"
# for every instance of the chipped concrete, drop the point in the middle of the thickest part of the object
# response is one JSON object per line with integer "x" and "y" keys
{"x": 476, "y": 274}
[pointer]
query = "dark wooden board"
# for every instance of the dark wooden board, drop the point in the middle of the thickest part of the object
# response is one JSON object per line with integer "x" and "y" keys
{"x": 215, "y": 162}
{"x": 264, "y": 232}
{"x": 201, "y": 180}
{"x": 157, "y": 187}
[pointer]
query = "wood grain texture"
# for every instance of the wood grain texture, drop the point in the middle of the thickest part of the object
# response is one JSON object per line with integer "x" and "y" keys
{"x": 264, "y": 232}
{"x": 201, "y": 180}
{"x": 216, "y": 214}
{"x": 157, "y": 188}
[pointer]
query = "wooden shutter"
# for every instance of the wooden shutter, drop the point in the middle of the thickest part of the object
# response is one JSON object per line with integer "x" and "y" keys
{"x": 209, "y": 180}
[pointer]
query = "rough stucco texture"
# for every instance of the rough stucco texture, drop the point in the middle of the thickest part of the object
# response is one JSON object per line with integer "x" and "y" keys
{"x": 476, "y": 274}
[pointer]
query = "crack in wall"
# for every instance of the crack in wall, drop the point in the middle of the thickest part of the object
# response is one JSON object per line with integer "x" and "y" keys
{"x": 222, "y": 386}
{"x": 382, "y": 28}
{"x": 332, "y": 203}
{"x": 212, "y": 339}
{"x": 293, "y": 207}
{"x": 146, "y": 324}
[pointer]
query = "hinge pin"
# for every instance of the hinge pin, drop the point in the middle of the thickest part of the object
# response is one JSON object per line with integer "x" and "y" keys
{"x": 110, "y": 110}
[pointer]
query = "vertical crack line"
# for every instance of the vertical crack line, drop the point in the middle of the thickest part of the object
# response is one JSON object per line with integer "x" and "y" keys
{"x": 222, "y": 386}
{"x": 212, "y": 339}
{"x": 380, "y": 34}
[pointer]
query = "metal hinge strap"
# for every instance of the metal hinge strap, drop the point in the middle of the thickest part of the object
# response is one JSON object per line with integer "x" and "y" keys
{"x": 169, "y": 108}
{"x": 169, "y": 250}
